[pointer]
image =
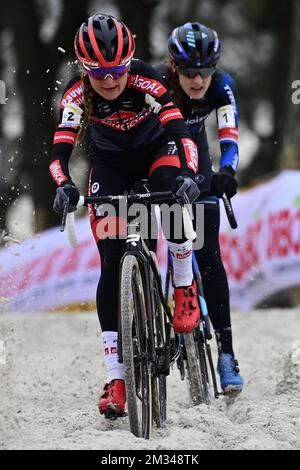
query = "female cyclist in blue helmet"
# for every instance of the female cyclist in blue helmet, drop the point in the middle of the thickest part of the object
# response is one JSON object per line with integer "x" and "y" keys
{"x": 198, "y": 87}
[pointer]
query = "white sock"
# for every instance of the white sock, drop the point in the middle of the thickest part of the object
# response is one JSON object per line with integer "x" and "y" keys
{"x": 182, "y": 263}
{"x": 115, "y": 370}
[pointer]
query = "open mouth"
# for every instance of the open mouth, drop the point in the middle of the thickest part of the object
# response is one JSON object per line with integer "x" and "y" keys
{"x": 114, "y": 88}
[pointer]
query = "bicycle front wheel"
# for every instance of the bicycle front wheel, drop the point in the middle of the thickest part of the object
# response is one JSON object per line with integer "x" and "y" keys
{"x": 134, "y": 332}
{"x": 159, "y": 383}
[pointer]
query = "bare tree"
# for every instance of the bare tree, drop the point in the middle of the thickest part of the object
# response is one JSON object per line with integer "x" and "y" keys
{"x": 38, "y": 65}
{"x": 290, "y": 151}
{"x": 182, "y": 11}
{"x": 137, "y": 14}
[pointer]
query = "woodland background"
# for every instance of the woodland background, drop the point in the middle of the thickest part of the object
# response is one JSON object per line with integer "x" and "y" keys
{"x": 260, "y": 48}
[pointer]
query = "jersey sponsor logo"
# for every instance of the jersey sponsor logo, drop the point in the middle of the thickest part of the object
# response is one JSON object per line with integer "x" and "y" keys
{"x": 196, "y": 120}
{"x": 231, "y": 96}
{"x": 191, "y": 154}
{"x": 57, "y": 172}
{"x": 172, "y": 149}
{"x": 170, "y": 115}
{"x": 235, "y": 161}
{"x": 199, "y": 178}
{"x": 147, "y": 84}
{"x": 65, "y": 137}
{"x": 95, "y": 187}
{"x": 226, "y": 117}
{"x": 121, "y": 115}
{"x": 183, "y": 255}
{"x": 74, "y": 95}
{"x": 123, "y": 120}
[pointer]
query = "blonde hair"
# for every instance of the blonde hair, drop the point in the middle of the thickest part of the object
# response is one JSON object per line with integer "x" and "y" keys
{"x": 88, "y": 106}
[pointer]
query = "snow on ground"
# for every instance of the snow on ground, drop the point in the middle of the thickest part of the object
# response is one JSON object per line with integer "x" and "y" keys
{"x": 51, "y": 369}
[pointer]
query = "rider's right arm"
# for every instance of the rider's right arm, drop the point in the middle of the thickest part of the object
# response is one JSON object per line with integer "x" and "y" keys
{"x": 71, "y": 109}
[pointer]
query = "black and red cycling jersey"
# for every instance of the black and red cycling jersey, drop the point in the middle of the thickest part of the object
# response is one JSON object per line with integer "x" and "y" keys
{"x": 142, "y": 114}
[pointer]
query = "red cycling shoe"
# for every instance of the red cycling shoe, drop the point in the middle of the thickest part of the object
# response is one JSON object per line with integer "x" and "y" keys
{"x": 112, "y": 401}
{"x": 187, "y": 312}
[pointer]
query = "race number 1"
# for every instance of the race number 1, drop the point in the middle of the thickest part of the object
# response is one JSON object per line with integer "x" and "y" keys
{"x": 226, "y": 117}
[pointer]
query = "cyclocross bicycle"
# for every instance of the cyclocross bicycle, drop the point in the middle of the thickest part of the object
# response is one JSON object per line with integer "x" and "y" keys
{"x": 146, "y": 346}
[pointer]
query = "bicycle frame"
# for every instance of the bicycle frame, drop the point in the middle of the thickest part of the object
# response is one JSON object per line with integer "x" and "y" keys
{"x": 137, "y": 246}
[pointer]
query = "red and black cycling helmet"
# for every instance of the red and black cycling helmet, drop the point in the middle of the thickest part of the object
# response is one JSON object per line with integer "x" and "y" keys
{"x": 104, "y": 41}
{"x": 194, "y": 45}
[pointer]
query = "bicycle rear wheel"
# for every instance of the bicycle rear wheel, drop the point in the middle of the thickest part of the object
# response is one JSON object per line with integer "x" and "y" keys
{"x": 195, "y": 377}
{"x": 134, "y": 331}
{"x": 202, "y": 347}
{"x": 198, "y": 376}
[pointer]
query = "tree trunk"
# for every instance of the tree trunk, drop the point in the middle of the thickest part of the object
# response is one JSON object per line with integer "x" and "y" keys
{"x": 137, "y": 15}
{"x": 187, "y": 10}
{"x": 290, "y": 152}
{"x": 34, "y": 58}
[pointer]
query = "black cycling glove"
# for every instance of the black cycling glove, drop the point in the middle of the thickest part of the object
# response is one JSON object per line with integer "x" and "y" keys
{"x": 224, "y": 182}
{"x": 185, "y": 184}
{"x": 67, "y": 190}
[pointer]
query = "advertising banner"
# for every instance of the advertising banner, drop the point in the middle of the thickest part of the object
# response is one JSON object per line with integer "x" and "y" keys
{"x": 261, "y": 257}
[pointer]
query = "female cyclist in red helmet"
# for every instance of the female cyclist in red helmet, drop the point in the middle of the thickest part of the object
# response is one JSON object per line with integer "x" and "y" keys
{"x": 199, "y": 87}
{"x": 129, "y": 139}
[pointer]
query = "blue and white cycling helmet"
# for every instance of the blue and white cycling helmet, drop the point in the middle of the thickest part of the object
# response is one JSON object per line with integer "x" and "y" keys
{"x": 194, "y": 45}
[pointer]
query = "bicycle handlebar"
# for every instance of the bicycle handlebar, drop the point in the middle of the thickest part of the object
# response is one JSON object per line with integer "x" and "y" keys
{"x": 229, "y": 212}
{"x": 68, "y": 219}
{"x": 157, "y": 197}
{"x": 227, "y": 206}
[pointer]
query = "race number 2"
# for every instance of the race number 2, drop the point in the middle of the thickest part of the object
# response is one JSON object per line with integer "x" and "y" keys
{"x": 72, "y": 115}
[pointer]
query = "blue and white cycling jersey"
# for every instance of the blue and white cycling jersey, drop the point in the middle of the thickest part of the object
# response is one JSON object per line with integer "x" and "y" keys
{"x": 221, "y": 98}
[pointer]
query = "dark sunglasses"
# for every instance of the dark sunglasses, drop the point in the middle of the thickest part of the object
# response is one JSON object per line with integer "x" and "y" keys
{"x": 192, "y": 72}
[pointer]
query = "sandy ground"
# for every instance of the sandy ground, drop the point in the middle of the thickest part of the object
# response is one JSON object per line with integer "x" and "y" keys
{"x": 51, "y": 369}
